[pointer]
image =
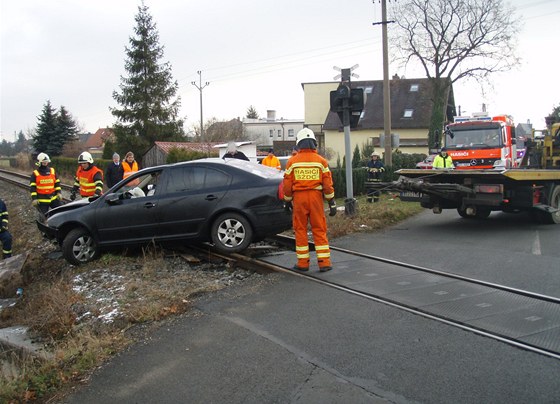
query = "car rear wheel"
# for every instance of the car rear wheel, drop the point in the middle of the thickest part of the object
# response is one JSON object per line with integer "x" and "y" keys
{"x": 79, "y": 247}
{"x": 231, "y": 232}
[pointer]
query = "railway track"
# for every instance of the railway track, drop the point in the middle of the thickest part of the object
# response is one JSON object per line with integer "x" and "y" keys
{"x": 517, "y": 317}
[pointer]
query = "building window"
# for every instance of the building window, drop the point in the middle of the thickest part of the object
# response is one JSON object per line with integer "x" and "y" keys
{"x": 279, "y": 132}
{"x": 290, "y": 133}
{"x": 413, "y": 88}
{"x": 271, "y": 132}
{"x": 408, "y": 113}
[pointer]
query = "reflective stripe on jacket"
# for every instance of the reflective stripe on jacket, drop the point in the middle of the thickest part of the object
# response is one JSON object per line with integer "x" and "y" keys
{"x": 307, "y": 171}
{"x": 90, "y": 181}
{"x": 44, "y": 186}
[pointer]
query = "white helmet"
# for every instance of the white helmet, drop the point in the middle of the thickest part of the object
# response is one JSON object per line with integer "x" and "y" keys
{"x": 374, "y": 154}
{"x": 43, "y": 157}
{"x": 305, "y": 133}
{"x": 85, "y": 157}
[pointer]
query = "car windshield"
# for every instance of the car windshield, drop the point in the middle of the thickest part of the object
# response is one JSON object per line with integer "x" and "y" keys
{"x": 253, "y": 168}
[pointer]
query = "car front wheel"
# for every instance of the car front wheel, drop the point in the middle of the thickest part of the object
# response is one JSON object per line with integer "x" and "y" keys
{"x": 231, "y": 232}
{"x": 79, "y": 247}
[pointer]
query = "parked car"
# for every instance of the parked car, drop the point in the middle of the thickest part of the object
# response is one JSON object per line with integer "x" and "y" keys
{"x": 229, "y": 203}
{"x": 426, "y": 164}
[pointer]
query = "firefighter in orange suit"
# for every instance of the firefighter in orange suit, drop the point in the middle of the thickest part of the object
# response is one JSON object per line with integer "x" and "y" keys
{"x": 44, "y": 185}
{"x": 271, "y": 160}
{"x": 307, "y": 180}
{"x": 89, "y": 178}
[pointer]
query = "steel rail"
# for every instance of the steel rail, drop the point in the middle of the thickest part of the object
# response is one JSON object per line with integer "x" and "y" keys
{"x": 256, "y": 264}
{"x": 505, "y": 288}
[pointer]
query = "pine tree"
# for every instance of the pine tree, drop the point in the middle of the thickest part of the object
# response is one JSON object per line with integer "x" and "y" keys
{"x": 66, "y": 131}
{"x": 148, "y": 104}
{"x": 46, "y": 132}
{"x": 252, "y": 113}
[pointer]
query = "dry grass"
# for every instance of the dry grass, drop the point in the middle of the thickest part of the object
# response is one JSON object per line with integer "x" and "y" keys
{"x": 371, "y": 217}
{"x": 60, "y": 303}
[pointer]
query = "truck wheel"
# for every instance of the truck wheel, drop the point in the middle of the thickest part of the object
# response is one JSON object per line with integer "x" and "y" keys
{"x": 231, "y": 232}
{"x": 79, "y": 247}
{"x": 554, "y": 201}
{"x": 463, "y": 213}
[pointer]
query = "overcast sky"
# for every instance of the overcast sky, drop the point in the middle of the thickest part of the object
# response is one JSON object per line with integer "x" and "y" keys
{"x": 252, "y": 53}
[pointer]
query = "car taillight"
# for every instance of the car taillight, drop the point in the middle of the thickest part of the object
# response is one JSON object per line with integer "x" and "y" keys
{"x": 281, "y": 191}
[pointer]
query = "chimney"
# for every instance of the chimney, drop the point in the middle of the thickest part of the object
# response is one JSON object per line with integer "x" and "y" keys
{"x": 270, "y": 115}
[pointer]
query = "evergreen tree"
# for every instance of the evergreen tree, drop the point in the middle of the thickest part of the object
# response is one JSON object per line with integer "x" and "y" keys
{"x": 44, "y": 139}
{"x": 66, "y": 131}
{"x": 252, "y": 113}
{"x": 21, "y": 143}
{"x": 148, "y": 104}
{"x": 356, "y": 157}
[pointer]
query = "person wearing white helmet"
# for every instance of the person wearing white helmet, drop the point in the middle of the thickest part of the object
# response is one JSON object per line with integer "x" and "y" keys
{"x": 44, "y": 185}
{"x": 307, "y": 182}
{"x": 89, "y": 178}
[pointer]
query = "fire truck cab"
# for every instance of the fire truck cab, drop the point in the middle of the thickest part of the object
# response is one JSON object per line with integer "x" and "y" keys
{"x": 482, "y": 142}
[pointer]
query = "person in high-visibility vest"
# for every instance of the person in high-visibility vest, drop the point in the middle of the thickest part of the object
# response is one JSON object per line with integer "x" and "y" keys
{"x": 5, "y": 236}
{"x": 443, "y": 160}
{"x": 271, "y": 160}
{"x": 130, "y": 166}
{"x": 89, "y": 178}
{"x": 44, "y": 185}
{"x": 307, "y": 181}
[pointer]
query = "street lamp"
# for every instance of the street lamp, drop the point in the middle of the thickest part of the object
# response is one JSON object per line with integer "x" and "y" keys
{"x": 200, "y": 87}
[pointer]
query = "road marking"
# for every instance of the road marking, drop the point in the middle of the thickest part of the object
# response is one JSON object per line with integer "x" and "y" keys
{"x": 536, "y": 249}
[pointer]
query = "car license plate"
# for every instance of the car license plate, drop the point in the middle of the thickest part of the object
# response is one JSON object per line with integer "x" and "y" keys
{"x": 409, "y": 196}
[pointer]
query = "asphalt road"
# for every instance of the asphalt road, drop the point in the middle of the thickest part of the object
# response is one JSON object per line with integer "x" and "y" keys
{"x": 287, "y": 340}
{"x": 507, "y": 249}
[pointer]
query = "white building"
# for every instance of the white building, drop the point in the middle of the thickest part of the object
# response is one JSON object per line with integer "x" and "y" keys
{"x": 265, "y": 131}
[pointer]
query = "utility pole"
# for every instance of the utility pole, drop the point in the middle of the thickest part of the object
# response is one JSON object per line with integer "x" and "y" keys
{"x": 200, "y": 87}
{"x": 386, "y": 85}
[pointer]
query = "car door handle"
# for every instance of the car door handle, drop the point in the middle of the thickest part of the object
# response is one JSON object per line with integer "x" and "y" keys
{"x": 211, "y": 197}
{"x": 149, "y": 205}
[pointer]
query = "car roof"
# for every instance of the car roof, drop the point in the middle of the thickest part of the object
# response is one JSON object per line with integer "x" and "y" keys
{"x": 243, "y": 165}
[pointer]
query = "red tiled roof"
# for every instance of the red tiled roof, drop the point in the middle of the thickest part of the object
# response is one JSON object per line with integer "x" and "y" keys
{"x": 99, "y": 138}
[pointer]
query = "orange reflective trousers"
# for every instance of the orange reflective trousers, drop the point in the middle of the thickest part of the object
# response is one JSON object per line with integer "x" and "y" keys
{"x": 308, "y": 208}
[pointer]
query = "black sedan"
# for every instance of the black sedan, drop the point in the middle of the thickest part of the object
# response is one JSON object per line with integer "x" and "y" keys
{"x": 228, "y": 203}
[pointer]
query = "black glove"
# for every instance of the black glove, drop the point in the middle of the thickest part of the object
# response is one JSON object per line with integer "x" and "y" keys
{"x": 332, "y": 207}
{"x": 288, "y": 206}
{"x": 73, "y": 196}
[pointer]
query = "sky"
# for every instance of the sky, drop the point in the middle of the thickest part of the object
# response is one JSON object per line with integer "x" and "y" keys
{"x": 252, "y": 53}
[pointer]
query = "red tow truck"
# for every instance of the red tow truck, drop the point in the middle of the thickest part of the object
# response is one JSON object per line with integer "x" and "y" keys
{"x": 486, "y": 176}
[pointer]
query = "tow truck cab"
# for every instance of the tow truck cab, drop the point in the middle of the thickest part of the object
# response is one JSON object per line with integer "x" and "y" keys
{"x": 482, "y": 142}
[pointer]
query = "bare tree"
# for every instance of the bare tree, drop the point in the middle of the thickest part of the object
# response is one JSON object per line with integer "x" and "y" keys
{"x": 453, "y": 40}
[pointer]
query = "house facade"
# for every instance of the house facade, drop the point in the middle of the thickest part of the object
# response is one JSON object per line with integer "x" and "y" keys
{"x": 411, "y": 111}
{"x": 265, "y": 132}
